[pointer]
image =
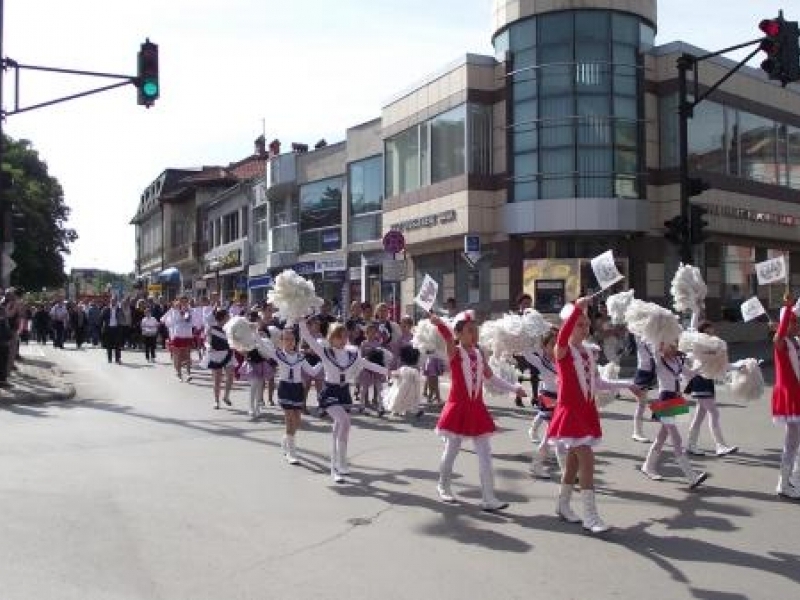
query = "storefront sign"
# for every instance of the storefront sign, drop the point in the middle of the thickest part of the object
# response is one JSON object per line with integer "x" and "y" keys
{"x": 264, "y": 281}
{"x": 330, "y": 264}
{"x": 230, "y": 260}
{"x": 756, "y": 216}
{"x": 434, "y": 220}
{"x": 154, "y": 288}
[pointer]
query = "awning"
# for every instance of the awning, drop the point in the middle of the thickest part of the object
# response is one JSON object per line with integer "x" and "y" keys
{"x": 171, "y": 275}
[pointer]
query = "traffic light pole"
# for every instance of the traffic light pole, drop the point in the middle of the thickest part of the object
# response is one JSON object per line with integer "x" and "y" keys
{"x": 686, "y": 63}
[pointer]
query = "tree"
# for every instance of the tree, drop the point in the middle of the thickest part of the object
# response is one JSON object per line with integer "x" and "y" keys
{"x": 41, "y": 238}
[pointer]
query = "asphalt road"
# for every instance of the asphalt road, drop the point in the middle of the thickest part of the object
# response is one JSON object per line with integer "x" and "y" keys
{"x": 137, "y": 489}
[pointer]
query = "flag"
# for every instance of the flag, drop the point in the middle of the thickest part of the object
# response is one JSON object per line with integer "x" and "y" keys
{"x": 752, "y": 309}
{"x": 426, "y": 297}
{"x": 605, "y": 270}
{"x": 771, "y": 271}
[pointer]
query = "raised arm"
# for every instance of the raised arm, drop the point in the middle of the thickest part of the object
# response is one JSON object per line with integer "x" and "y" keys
{"x": 309, "y": 339}
{"x": 445, "y": 332}
{"x": 786, "y": 320}
{"x": 562, "y": 341}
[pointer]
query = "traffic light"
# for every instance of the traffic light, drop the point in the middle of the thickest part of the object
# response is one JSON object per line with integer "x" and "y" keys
{"x": 676, "y": 230}
{"x": 697, "y": 186}
{"x": 697, "y": 223}
{"x": 147, "y": 75}
{"x": 782, "y": 47}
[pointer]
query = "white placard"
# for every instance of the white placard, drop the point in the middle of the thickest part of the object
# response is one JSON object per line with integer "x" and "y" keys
{"x": 771, "y": 271}
{"x": 427, "y": 294}
{"x": 752, "y": 309}
{"x": 605, "y": 270}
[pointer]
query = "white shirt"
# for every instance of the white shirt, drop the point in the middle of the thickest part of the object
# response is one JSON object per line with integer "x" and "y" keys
{"x": 150, "y": 326}
{"x": 548, "y": 375}
{"x": 670, "y": 373}
{"x": 179, "y": 323}
{"x": 291, "y": 365}
{"x": 112, "y": 320}
{"x": 341, "y": 365}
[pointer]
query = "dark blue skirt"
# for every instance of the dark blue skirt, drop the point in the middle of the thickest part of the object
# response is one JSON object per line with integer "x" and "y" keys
{"x": 645, "y": 379}
{"x": 291, "y": 395}
{"x": 333, "y": 394}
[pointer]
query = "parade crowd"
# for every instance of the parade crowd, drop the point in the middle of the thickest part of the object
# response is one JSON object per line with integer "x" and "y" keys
{"x": 375, "y": 365}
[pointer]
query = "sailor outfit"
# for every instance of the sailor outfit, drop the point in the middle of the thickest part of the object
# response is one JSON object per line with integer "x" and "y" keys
{"x": 341, "y": 366}
{"x": 645, "y": 377}
{"x": 219, "y": 351}
{"x": 703, "y": 393}
{"x": 548, "y": 382}
{"x": 289, "y": 373}
{"x": 670, "y": 405}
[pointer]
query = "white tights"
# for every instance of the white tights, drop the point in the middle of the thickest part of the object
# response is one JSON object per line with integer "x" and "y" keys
{"x": 674, "y": 435}
{"x": 483, "y": 448}
{"x": 341, "y": 434}
{"x": 791, "y": 443}
{"x": 706, "y": 406}
{"x": 256, "y": 391}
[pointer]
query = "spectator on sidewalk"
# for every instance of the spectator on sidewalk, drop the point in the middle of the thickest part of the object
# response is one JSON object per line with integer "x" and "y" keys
{"x": 59, "y": 316}
{"x": 15, "y": 311}
{"x": 77, "y": 321}
{"x": 41, "y": 324}
{"x": 93, "y": 323}
{"x": 112, "y": 321}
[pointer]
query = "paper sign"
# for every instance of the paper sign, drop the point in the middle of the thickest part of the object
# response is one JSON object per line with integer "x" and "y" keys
{"x": 771, "y": 271}
{"x": 752, "y": 309}
{"x": 605, "y": 270}
{"x": 427, "y": 294}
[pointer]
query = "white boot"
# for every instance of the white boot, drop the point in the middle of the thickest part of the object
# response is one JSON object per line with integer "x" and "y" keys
{"x": 537, "y": 469}
{"x": 785, "y": 487}
{"x": 337, "y": 476}
{"x": 794, "y": 480}
{"x": 591, "y": 520}
{"x": 490, "y": 503}
{"x": 343, "y": 466}
{"x": 291, "y": 451}
{"x": 563, "y": 508}
{"x": 693, "y": 478}
{"x": 650, "y": 465}
{"x": 638, "y": 426}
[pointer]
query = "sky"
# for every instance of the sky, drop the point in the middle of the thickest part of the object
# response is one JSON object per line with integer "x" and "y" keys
{"x": 300, "y": 70}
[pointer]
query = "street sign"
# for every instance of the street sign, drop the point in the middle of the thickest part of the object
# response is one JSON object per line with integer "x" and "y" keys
{"x": 472, "y": 249}
{"x": 394, "y": 270}
{"x": 394, "y": 241}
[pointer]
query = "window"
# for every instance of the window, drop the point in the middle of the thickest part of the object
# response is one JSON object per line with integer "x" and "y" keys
{"x": 707, "y": 148}
{"x": 284, "y": 212}
{"x": 366, "y": 199}
{"x": 285, "y": 238}
{"x": 230, "y": 227}
{"x": 437, "y": 150}
{"x": 757, "y": 147}
{"x": 321, "y": 215}
{"x": 260, "y": 224}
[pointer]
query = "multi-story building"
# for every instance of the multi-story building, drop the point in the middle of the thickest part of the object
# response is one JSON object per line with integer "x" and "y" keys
{"x": 561, "y": 146}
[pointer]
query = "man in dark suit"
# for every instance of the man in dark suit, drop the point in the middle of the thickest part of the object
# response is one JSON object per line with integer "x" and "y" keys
{"x": 112, "y": 321}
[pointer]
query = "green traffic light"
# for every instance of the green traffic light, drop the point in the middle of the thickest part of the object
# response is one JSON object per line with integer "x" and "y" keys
{"x": 150, "y": 89}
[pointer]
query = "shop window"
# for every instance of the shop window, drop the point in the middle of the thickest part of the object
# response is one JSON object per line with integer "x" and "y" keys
{"x": 321, "y": 204}
{"x": 321, "y": 240}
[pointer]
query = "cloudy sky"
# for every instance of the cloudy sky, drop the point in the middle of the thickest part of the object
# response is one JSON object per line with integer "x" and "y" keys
{"x": 306, "y": 69}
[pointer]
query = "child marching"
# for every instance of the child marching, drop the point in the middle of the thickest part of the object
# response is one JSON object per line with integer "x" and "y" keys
{"x": 465, "y": 416}
{"x": 786, "y": 397}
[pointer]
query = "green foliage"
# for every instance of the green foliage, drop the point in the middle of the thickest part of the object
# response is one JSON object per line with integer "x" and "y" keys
{"x": 39, "y": 216}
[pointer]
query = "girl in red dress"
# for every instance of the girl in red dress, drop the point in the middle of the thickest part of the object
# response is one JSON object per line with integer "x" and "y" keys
{"x": 786, "y": 396}
{"x": 465, "y": 415}
{"x": 575, "y": 426}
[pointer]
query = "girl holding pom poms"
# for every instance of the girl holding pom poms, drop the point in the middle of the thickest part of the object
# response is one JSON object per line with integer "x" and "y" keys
{"x": 786, "y": 395}
{"x": 465, "y": 415}
{"x": 575, "y": 426}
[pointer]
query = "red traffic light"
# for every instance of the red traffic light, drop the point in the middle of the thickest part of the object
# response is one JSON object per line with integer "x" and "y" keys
{"x": 770, "y": 27}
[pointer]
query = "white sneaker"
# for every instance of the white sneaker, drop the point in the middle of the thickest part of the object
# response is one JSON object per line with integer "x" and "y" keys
{"x": 642, "y": 439}
{"x": 538, "y": 470}
{"x": 338, "y": 477}
{"x": 445, "y": 494}
{"x": 493, "y": 505}
{"x": 726, "y": 450}
{"x": 651, "y": 473}
{"x": 694, "y": 451}
{"x": 532, "y": 435}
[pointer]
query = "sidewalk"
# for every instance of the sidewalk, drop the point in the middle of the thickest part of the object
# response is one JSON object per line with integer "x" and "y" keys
{"x": 36, "y": 380}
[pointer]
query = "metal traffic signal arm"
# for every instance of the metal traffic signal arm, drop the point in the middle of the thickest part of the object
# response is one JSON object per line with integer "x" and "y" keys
{"x": 687, "y": 228}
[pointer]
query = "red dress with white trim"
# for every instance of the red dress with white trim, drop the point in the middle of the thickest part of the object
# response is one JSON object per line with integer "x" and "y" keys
{"x": 575, "y": 421}
{"x": 786, "y": 393}
{"x": 464, "y": 413}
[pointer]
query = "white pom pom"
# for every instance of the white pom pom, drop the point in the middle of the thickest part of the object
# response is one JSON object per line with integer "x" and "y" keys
{"x": 428, "y": 339}
{"x": 688, "y": 288}
{"x": 653, "y": 323}
{"x": 505, "y": 370}
{"x": 513, "y": 334}
{"x": 608, "y": 371}
{"x": 241, "y": 334}
{"x": 293, "y": 297}
{"x": 710, "y": 352}
{"x": 535, "y": 326}
{"x": 747, "y": 380}
{"x": 617, "y": 305}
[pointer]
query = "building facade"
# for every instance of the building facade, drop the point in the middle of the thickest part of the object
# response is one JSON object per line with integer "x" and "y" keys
{"x": 562, "y": 145}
